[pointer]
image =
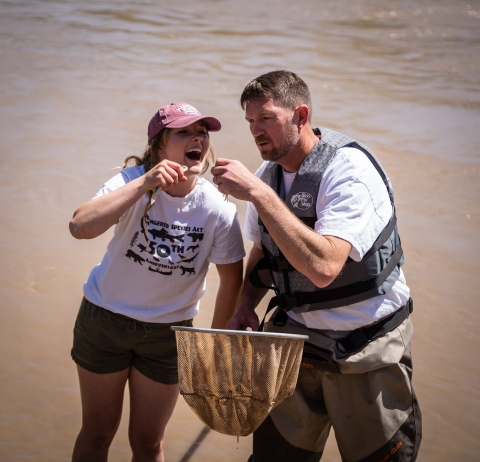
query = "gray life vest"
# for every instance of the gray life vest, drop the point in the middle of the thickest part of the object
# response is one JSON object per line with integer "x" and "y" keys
{"x": 374, "y": 275}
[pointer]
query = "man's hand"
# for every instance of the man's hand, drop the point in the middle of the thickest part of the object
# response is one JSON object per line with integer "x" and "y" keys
{"x": 242, "y": 319}
{"x": 234, "y": 179}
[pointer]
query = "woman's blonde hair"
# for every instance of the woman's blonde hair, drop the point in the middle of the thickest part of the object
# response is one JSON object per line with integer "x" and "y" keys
{"x": 150, "y": 158}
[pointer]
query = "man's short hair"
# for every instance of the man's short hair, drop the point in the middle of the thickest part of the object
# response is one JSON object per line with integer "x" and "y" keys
{"x": 285, "y": 88}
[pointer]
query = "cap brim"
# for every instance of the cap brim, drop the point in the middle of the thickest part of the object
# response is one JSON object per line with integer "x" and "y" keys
{"x": 212, "y": 123}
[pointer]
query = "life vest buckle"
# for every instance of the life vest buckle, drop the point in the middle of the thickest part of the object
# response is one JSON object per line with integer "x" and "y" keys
{"x": 356, "y": 339}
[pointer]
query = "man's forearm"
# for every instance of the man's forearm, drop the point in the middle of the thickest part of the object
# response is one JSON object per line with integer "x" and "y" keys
{"x": 319, "y": 258}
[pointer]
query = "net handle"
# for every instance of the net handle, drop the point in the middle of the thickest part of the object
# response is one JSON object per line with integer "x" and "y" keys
{"x": 239, "y": 332}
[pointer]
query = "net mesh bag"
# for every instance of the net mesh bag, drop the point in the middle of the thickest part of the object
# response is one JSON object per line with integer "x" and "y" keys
{"x": 233, "y": 379}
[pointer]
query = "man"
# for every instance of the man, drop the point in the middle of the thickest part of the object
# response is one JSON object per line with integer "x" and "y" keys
{"x": 322, "y": 219}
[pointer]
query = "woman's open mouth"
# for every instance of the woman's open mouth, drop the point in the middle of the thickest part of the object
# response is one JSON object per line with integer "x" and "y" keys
{"x": 194, "y": 154}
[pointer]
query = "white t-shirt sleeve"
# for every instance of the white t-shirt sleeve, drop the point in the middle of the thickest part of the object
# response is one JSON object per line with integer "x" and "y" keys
{"x": 353, "y": 202}
{"x": 112, "y": 184}
{"x": 119, "y": 180}
{"x": 251, "y": 228}
{"x": 228, "y": 243}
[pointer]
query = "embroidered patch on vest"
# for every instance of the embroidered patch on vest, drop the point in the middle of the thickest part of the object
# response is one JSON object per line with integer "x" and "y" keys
{"x": 302, "y": 200}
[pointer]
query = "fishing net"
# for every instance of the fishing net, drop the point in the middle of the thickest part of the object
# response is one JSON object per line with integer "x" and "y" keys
{"x": 233, "y": 379}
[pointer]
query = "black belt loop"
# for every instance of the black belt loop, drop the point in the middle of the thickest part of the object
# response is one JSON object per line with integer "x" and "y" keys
{"x": 360, "y": 337}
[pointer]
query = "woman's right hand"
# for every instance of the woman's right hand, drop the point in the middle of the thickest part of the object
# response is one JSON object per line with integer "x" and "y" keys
{"x": 97, "y": 215}
{"x": 165, "y": 175}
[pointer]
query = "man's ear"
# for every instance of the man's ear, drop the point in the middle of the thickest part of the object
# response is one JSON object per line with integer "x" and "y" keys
{"x": 303, "y": 113}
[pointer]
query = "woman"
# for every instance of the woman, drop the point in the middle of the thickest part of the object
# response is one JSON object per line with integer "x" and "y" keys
{"x": 151, "y": 277}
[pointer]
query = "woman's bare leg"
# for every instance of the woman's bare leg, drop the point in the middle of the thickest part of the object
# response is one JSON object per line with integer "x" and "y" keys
{"x": 102, "y": 401}
{"x": 151, "y": 406}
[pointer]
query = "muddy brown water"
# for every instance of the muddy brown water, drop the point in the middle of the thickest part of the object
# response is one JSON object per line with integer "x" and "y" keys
{"x": 80, "y": 80}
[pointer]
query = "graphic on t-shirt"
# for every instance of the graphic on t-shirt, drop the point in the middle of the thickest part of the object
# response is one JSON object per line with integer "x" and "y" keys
{"x": 189, "y": 260}
{"x": 163, "y": 235}
{"x": 132, "y": 255}
{"x": 196, "y": 236}
{"x": 142, "y": 248}
{"x": 166, "y": 250}
{"x": 155, "y": 270}
{"x": 134, "y": 239}
{"x": 187, "y": 270}
{"x": 162, "y": 251}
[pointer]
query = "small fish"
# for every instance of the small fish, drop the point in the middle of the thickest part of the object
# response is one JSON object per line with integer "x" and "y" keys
{"x": 157, "y": 190}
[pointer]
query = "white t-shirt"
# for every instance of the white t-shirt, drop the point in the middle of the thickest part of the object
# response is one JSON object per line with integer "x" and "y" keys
{"x": 352, "y": 204}
{"x": 162, "y": 278}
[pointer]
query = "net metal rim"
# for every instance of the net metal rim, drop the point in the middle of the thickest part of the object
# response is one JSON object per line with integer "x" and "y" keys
{"x": 239, "y": 332}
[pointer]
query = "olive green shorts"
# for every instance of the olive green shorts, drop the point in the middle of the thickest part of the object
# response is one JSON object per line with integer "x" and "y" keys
{"x": 106, "y": 342}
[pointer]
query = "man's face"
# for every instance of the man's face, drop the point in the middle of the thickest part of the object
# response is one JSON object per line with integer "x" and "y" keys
{"x": 272, "y": 127}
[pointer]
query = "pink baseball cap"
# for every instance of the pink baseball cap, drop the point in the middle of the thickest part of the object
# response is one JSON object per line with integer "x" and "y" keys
{"x": 178, "y": 115}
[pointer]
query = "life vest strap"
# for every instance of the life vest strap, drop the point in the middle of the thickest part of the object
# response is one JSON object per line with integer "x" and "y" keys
{"x": 383, "y": 236}
{"x": 287, "y": 302}
{"x": 281, "y": 264}
{"x": 276, "y": 264}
